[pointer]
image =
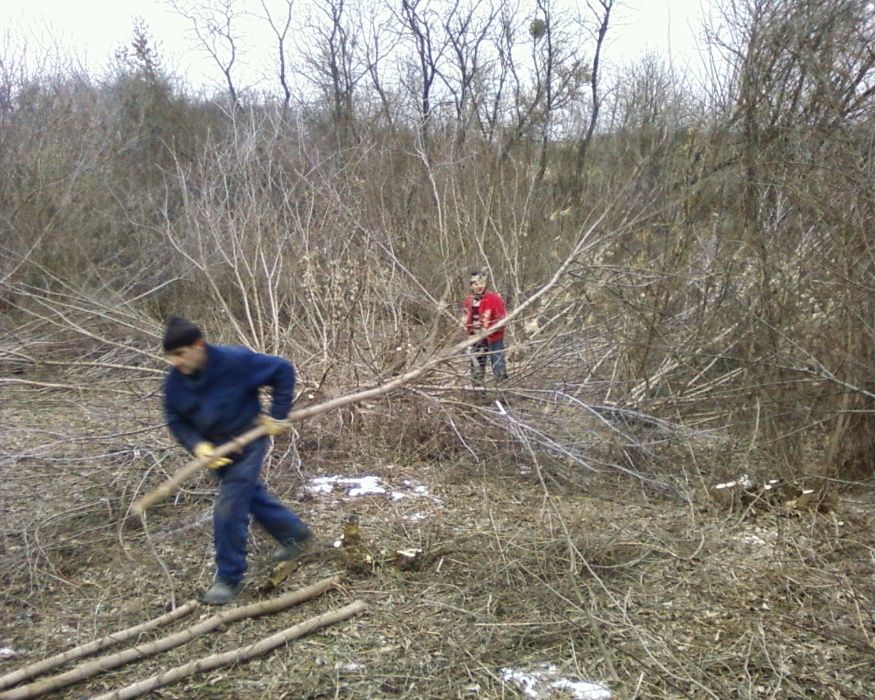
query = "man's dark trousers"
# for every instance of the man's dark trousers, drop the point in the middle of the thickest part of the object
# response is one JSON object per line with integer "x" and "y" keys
{"x": 241, "y": 494}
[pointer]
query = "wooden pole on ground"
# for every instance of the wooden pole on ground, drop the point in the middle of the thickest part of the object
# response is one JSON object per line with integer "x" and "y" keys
{"x": 104, "y": 663}
{"x": 208, "y": 663}
{"x": 39, "y": 667}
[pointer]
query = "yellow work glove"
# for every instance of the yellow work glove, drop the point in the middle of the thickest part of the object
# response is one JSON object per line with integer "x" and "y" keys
{"x": 271, "y": 427}
{"x": 205, "y": 449}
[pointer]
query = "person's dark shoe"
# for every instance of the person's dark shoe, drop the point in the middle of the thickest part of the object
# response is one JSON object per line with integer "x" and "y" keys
{"x": 221, "y": 592}
{"x": 291, "y": 550}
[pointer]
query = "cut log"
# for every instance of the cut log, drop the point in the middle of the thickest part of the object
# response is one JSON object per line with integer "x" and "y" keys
{"x": 820, "y": 499}
{"x": 39, "y": 667}
{"x": 731, "y": 495}
{"x": 745, "y": 493}
{"x": 104, "y": 663}
{"x": 208, "y": 663}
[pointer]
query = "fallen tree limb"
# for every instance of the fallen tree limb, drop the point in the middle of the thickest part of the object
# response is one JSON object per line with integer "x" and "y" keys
{"x": 39, "y": 667}
{"x": 104, "y": 663}
{"x": 193, "y": 467}
{"x": 208, "y": 663}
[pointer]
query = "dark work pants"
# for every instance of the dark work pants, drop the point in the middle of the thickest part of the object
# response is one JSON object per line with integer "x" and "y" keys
{"x": 241, "y": 495}
{"x": 495, "y": 352}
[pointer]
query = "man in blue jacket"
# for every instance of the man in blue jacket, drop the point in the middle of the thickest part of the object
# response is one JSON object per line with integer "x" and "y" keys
{"x": 210, "y": 397}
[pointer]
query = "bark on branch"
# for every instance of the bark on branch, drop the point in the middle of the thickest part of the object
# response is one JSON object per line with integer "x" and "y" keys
{"x": 40, "y": 667}
{"x": 105, "y": 663}
{"x": 208, "y": 663}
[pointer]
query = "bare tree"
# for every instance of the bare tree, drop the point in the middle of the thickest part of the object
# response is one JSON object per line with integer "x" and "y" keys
{"x": 376, "y": 43}
{"x": 558, "y": 73}
{"x": 280, "y": 27}
{"x": 423, "y": 24}
{"x": 549, "y": 86}
{"x": 466, "y": 29}
{"x": 490, "y": 89}
{"x": 333, "y": 62}
{"x": 800, "y": 95}
{"x": 212, "y": 22}
{"x": 601, "y": 12}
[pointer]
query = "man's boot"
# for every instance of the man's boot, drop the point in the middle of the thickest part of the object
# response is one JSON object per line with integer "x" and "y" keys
{"x": 291, "y": 550}
{"x": 221, "y": 592}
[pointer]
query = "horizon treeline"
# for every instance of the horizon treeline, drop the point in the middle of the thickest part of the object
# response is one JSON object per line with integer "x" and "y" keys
{"x": 715, "y": 239}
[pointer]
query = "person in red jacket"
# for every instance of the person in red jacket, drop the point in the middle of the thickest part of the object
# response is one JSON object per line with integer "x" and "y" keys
{"x": 483, "y": 309}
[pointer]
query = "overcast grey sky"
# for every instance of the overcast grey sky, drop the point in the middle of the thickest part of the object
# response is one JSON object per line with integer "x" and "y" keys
{"x": 92, "y": 29}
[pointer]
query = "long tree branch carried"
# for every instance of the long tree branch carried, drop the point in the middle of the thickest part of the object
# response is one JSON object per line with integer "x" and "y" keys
{"x": 141, "y": 505}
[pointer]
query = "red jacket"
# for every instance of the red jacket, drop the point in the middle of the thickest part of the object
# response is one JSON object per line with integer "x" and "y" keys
{"x": 491, "y": 302}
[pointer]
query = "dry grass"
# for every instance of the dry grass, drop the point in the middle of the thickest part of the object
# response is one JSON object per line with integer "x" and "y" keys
{"x": 610, "y": 565}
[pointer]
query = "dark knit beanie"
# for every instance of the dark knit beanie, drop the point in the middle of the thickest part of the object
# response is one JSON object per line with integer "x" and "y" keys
{"x": 180, "y": 333}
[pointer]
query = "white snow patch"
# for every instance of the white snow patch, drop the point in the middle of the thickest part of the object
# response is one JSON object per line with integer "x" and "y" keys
{"x": 322, "y": 484}
{"x": 366, "y": 486}
{"x": 752, "y": 539}
{"x": 582, "y": 690}
{"x": 543, "y": 681}
{"x": 355, "y": 486}
{"x": 418, "y": 489}
{"x": 352, "y": 667}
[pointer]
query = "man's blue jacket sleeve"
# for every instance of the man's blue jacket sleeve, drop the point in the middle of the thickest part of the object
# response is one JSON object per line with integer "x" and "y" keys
{"x": 279, "y": 374}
